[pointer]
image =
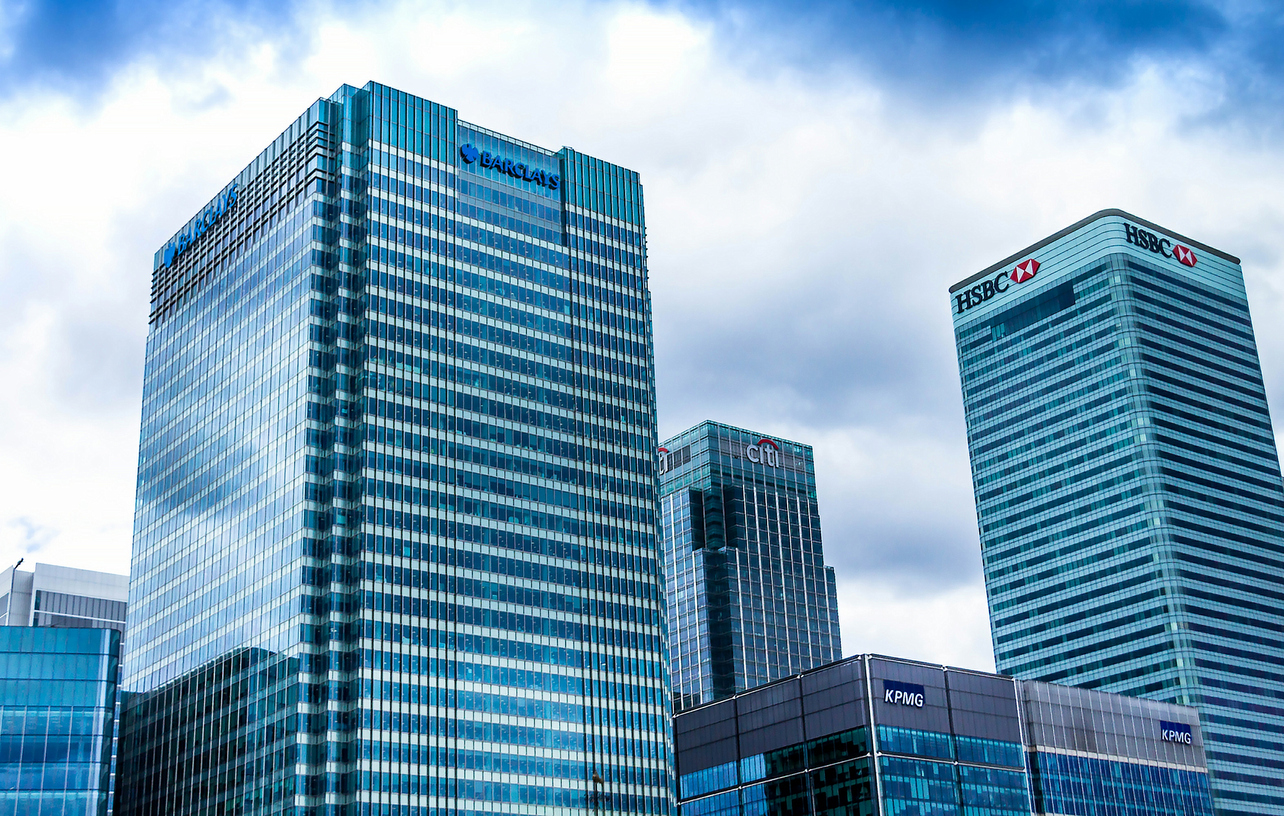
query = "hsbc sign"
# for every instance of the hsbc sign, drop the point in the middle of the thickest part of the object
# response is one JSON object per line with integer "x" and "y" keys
{"x": 999, "y": 284}
{"x": 1151, "y": 242}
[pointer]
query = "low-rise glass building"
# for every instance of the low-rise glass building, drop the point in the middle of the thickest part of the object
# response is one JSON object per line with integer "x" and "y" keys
{"x": 57, "y": 719}
{"x": 879, "y": 736}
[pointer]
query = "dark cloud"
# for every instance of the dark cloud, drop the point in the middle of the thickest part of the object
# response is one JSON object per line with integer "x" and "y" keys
{"x": 75, "y": 46}
{"x": 949, "y": 51}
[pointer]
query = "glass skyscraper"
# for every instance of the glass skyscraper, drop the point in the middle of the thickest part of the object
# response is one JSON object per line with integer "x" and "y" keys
{"x": 1128, "y": 488}
{"x": 395, "y": 546}
{"x": 750, "y": 597}
{"x": 57, "y": 719}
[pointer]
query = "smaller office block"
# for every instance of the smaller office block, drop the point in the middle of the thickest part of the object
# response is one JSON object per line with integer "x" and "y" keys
{"x": 57, "y": 719}
{"x": 878, "y": 736}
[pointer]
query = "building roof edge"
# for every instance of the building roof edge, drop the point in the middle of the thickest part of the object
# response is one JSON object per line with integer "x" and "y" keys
{"x": 1080, "y": 225}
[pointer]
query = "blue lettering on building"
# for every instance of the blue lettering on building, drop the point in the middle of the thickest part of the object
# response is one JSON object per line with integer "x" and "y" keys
{"x": 1175, "y": 732}
{"x": 906, "y": 694}
{"x": 207, "y": 218}
{"x": 519, "y": 170}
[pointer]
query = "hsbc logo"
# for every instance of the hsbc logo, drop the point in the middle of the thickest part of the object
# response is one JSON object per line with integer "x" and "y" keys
{"x": 999, "y": 284}
{"x": 1160, "y": 246}
{"x": 763, "y": 452}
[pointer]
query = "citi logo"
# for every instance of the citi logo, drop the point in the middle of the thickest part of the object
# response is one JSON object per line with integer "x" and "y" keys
{"x": 662, "y": 466}
{"x": 987, "y": 289}
{"x": 1151, "y": 242}
{"x": 763, "y": 452}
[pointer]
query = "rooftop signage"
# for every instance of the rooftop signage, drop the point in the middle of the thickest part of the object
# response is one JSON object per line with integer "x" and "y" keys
{"x": 517, "y": 170}
{"x": 905, "y": 694}
{"x": 1175, "y": 732}
{"x": 208, "y": 217}
{"x": 987, "y": 289}
{"x": 1151, "y": 242}
{"x": 763, "y": 452}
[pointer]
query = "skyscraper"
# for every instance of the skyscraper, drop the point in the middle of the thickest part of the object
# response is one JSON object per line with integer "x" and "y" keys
{"x": 1127, "y": 483}
{"x": 395, "y": 548}
{"x": 750, "y": 597}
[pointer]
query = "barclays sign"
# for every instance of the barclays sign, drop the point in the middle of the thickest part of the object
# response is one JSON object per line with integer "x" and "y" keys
{"x": 517, "y": 170}
{"x": 207, "y": 218}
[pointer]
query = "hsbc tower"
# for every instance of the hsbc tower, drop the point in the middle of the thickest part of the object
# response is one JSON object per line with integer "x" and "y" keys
{"x": 750, "y": 598}
{"x": 1128, "y": 489}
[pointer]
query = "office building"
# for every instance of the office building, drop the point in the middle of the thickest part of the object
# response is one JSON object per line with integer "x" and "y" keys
{"x": 1128, "y": 488}
{"x": 395, "y": 546}
{"x": 57, "y": 719}
{"x": 56, "y": 596}
{"x": 67, "y": 597}
{"x": 750, "y": 597}
{"x": 880, "y": 736}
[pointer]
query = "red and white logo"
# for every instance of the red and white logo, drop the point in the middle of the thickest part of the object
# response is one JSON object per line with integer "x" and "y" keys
{"x": 1184, "y": 255}
{"x": 662, "y": 465}
{"x": 1024, "y": 271}
{"x": 763, "y": 452}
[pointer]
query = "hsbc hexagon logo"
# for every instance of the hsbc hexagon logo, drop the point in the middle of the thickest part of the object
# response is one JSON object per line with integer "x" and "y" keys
{"x": 999, "y": 284}
{"x": 1024, "y": 271}
{"x": 1151, "y": 242}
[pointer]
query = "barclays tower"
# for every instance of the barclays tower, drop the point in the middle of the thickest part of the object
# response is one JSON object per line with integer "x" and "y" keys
{"x": 1128, "y": 488}
{"x": 395, "y": 545}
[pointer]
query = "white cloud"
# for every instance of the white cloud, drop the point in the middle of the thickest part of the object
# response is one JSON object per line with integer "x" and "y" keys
{"x": 803, "y": 229}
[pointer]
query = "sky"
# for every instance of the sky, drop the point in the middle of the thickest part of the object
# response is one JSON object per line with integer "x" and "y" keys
{"x": 816, "y": 176}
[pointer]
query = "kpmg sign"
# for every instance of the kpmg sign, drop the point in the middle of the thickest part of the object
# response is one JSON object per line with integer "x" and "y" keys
{"x": 208, "y": 218}
{"x": 1151, "y": 242}
{"x": 518, "y": 170}
{"x": 905, "y": 694}
{"x": 1176, "y": 732}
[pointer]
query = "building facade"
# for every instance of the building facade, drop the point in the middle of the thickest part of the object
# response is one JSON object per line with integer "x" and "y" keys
{"x": 56, "y": 596}
{"x": 1128, "y": 489}
{"x": 395, "y": 545}
{"x": 750, "y": 597}
{"x": 879, "y": 736}
{"x": 58, "y": 690}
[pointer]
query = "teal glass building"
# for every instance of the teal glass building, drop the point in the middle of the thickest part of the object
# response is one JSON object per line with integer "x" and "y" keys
{"x": 57, "y": 720}
{"x": 750, "y": 597}
{"x": 1128, "y": 489}
{"x": 395, "y": 545}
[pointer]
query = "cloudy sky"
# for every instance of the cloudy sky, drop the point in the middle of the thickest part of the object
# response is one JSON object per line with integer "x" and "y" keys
{"x": 816, "y": 177}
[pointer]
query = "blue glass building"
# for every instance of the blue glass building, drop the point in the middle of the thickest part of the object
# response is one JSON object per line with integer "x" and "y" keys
{"x": 395, "y": 545}
{"x": 750, "y": 597}
{"x": 1128, "y": 489}
{"x": 57, "y": 719}
{"x": 880, "y": 736}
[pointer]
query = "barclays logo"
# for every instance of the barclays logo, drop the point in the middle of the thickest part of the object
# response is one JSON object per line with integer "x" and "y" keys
{"x": 519, "y": 170}
{"x": 208, "y": 218}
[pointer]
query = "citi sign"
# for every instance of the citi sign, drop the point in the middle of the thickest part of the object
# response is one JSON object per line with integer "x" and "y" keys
{"x": 1175, "y": 732}
{"x": 1160, "y": 246}
{"x": 763, "y": 452}
{"x": 905, "y": 694}
{"x": 999, "y": 284}
{"x": 519, "y": 170}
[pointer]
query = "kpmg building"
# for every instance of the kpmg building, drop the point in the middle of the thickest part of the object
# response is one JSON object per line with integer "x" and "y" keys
{"x": 879, "y": 736}
{"x": 395, "y": 547}
{"x": 1127, "y": 483}
{"x": 750, "y": 597}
